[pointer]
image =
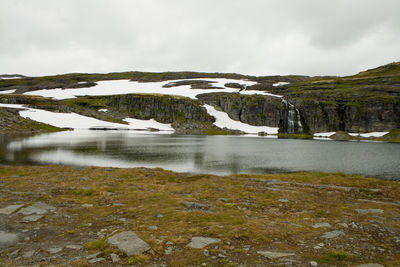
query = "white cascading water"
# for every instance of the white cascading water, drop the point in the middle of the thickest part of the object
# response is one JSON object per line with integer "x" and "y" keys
{"x": 293, "y": 118}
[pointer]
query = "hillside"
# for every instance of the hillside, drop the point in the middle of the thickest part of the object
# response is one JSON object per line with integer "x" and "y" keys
{"x": 361, "y": 103}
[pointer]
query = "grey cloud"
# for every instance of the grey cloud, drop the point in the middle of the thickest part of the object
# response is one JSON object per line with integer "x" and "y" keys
{"x": 261, "y": 37}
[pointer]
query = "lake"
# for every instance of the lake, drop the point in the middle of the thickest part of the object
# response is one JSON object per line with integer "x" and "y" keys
{"x": 202, "y": 154}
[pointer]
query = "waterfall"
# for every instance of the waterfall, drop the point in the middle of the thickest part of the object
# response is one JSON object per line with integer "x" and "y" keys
{"x": 292, "y": 119}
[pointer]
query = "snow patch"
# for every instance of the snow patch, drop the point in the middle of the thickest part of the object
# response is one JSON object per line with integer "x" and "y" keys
{"x": 103, "y": 110}
{"x": 8, "y": 78}
{"x": 121, "y": 87}
{"x": 222, "y": 120}
{"x": 8, "y": 91}
{"x": 77, "y": 121}
{"x": 371, "y": 134}
{"x": 280, "y": 84}
{"x": 325, "y": 134}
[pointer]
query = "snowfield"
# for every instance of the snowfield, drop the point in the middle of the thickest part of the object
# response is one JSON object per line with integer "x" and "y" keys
{"x": 121, "y": 87}
{"x": 77, "y": 121}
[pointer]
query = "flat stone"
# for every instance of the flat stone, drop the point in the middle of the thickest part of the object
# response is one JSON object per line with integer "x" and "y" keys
{"x": 87, "y": 205}
{"x": 114, "y": 258}
{"x": 37, "y": 208}
{"x": 168, "y": 251}
{"x": 196, "y": 205}
{"x": 54, "y": 250}
{"x": 10, "y": 209}
{"x": 28, "y": 254}
{"x": 32, "y": 218}
{"x": 367, "y": 211}
{"x": 333, "y": 234}
{"x": 274, "y": 255}
{"x": 77, "y": 247}
{"x": 370, "y": 265}
{"x": 96, "y": 260}
{"x": 283, "y": 200}
{"x": 313, "y": 264}
{"x": 129, "y": 243}
{"x": 153, "y": 227}
{"x": 322, "y": 225}
{"x": 201, "y": 242}
{"x": 7, "y": 239}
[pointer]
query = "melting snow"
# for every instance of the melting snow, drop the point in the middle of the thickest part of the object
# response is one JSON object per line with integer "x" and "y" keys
{"x": 222, "y": 120}
{"x": 8, "y": 78}
{"x": 280, "y": 84}
{"x": 7, "y": 92}
{"x": 76, "y": 121}
{"x": 371, "y": 134}
{"x": 120, "y": 87}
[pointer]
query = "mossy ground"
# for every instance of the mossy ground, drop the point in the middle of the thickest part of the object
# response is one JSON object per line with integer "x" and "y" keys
{"x": 248, "y": 213}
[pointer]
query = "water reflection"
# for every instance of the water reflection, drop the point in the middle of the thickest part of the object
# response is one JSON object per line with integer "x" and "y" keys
{"x": 207, "y": 154}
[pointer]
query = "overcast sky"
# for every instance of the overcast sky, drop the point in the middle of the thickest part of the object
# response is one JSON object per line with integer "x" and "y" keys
{"x": 261, "y": 37}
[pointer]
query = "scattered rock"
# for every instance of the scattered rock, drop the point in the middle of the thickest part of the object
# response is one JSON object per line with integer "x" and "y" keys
{"x": 206, "y": 252}
{"x": 32, "y": 218}
{"x": 168, "y": 251}
{"x": 77, "y": 247}
{"x": 196, "y": 205}
{"x": 201, "y": 242}
{"x": 96, "y": 260}
{"x": 153, "y": 227}
{"x": 274, "y": 255}
{"x": 222, "y": 256}
{"x": 28, "y": 254}
{"x": 37, "y": 208}
{"x": 371, "y": 265}
{"x": 54, "y": 250}
{"x": 7, "y": 239}
{"x": 114, "y": 258}
{"x": 159, "y": 215}
{"x": 322, "y": 225}
{"x": 87, "y": 205}
{"x": 333, "y": 234}
{"x": 319, "y": 246}
{"x": 367, "y": 211}
{"x": 129, "y": 243}
{"x": 10, "y": 209}
{"x": 283, "y": 200}
{"x": 313, "y": 264}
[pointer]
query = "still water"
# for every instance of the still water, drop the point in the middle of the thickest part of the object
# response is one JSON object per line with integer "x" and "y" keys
{"x": 202, "y": 154}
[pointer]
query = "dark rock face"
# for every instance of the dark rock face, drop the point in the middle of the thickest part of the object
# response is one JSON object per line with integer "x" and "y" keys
{"x": 336, "y": 116}
{"x": 258, "y": 110}
{"x": 166, "y": 109}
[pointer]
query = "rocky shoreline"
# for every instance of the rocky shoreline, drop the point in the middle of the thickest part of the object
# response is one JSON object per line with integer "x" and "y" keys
{"x": 70, "y": 216}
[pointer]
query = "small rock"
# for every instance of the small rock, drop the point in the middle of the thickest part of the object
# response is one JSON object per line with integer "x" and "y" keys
{"x": 153, "y": 227}
{"x": 114, "y": 257}
{"x": 32, "y": 218}
{"x": 370, "y": 265}
{"x": 168, "y": 251}
{"x": 159, "y": 215}
{"x": 313, "y": 264}
{"x": 201, "y": 242}
{"x": 37, "y": 208}
{"x": 77, "y": 247}
{"x": 333, "y": 234}
{"x": 28, "y": 254}
{"x": 343, "y": 225}
{"x": 274, "y": 255}
{"x": 367, "y": 211}
{"x": 283, "y": 200}
{"x": 7, "y": 239}
{"x": 353, "y": 225}
{"x": 129, "y": 243}
{"x": 14, "y": 253}
{"x": 10, "y": 209}
{"x": 92, "y": 256}
{"x": 96, "y": 260}
{"x": 222, "y": 256}
{"x": 206, "y": 252}
{"x": 169, "y": 243}
{"x": 54, "y": 250}
{"x": 86, "y": 205}
{"x": 196, "y": 205}
{"x": 322, "y": 225}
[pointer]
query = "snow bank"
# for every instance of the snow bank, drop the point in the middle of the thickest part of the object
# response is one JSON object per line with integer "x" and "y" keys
{"x": 222, "y": 120}
{"x": 77, "y": 121}
{"x": 120, "y": 87}
{"x": 371, "y": 134}
{"x": 280, "y": 84}
{"x": 8, "y": 91}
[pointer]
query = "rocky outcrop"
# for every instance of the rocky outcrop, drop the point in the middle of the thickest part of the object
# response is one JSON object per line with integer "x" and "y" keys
{"x": 258, "y": 110}
{"x": 358, "y": 117}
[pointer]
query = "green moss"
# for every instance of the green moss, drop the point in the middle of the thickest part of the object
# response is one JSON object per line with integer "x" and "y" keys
{"x": 295, "y": 136}
{"x": 216, "y": 132}
{"x": 334, "y": 256}
{"x": 100, "y": 244}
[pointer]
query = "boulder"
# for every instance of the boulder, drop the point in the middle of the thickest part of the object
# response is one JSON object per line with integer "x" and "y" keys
{"x": 129, "y": 243}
